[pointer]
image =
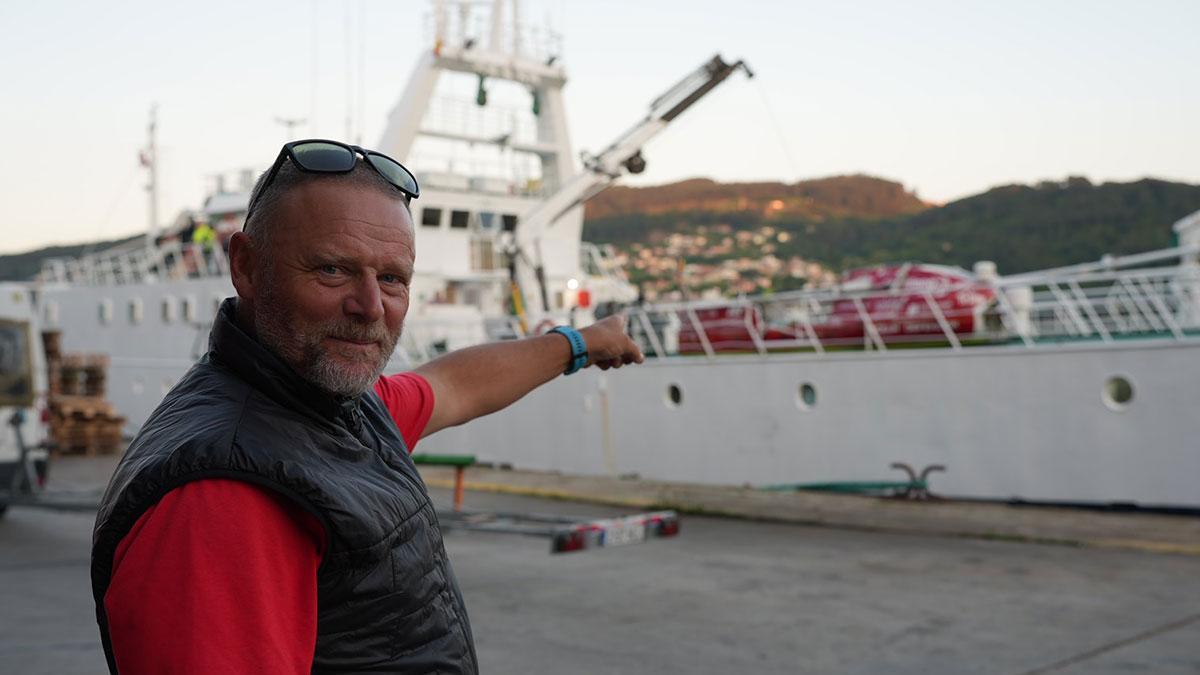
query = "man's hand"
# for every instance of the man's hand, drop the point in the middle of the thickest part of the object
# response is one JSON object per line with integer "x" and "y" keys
{"x": 607, "y": 344}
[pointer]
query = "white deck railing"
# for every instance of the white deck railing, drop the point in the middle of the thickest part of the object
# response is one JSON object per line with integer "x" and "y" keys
{"x": 172, "y": 260}
{"x": 1116, "y": 298}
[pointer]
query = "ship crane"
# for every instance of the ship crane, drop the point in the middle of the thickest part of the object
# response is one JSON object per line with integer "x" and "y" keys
{"x": 602, "y": 170}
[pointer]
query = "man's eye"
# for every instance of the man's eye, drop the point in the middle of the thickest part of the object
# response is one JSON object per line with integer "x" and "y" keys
{"x": 330, "y": 269}
{"x": 390, "y": 279}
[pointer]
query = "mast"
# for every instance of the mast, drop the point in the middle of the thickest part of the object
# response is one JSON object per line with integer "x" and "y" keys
{"x": 149, "y": 160}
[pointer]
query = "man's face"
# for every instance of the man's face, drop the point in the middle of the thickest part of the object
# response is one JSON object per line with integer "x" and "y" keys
{"x": 332, "y": 302}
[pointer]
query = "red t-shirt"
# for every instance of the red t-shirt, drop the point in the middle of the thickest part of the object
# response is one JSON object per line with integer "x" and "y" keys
{"x": 220, "y": 576}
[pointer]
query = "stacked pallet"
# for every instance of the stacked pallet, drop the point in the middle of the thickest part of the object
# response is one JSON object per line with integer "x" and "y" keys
{"x": 82, "y": 420}
{"x": 85, "y": 425}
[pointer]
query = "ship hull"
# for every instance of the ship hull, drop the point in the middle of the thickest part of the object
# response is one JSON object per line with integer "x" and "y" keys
{"x": 1006, "y": 422}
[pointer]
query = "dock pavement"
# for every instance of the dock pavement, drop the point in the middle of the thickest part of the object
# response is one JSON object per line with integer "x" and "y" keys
{"x": 1135, "y": 530}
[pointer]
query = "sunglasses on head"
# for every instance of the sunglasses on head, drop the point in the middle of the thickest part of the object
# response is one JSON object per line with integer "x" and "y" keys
{"x": 322, "y": 156}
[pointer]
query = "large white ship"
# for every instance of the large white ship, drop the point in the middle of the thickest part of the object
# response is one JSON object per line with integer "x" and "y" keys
{"x": 1076, "y": 384}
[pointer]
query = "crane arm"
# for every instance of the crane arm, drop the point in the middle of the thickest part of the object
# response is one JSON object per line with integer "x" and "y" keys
{"x": 623, "y": 155}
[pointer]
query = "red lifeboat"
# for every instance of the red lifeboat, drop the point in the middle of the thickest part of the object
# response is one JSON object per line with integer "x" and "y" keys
{"x": 903, "y": 303}
{"x": 727, "y": 329}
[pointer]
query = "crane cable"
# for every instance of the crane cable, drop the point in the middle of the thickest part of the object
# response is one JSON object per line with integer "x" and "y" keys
{"x": 783, "y": 142}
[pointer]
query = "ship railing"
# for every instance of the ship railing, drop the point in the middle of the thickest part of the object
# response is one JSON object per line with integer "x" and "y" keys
{"x": 1163, "y": 301}
{"x": 459, "y": 22}
{"x": 169, "y": 260}
{"x": 426, "y": 338}
{"x": 1083, "y": 303}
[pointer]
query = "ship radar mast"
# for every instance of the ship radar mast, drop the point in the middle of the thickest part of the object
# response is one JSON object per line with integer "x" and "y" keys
{"x": 148, "y": 158}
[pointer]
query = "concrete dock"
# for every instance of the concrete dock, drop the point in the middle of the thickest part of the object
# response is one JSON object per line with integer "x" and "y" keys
{"x": 983, "y": 520}
{"x": 835, "y": 585}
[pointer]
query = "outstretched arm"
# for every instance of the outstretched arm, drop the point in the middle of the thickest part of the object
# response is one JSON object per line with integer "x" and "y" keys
{"x": 476, "y": 381}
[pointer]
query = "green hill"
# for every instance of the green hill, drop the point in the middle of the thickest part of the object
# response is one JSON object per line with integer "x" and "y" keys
{"x": 1019, "y": 227}
{"x": 814, "y": 199}
{"x": 845, "y": 221}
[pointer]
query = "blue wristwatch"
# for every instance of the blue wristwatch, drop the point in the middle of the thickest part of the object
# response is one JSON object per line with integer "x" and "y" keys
{"x": 579, "y": 354}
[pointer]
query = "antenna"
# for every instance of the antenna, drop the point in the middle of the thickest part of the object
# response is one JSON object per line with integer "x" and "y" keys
{"x": 148, "y": 158}
{"x": 313, "y": 69}
{"x": 349, "y": 75}
{"x": 290, "y": 123}
{"x": 362, "y": 70}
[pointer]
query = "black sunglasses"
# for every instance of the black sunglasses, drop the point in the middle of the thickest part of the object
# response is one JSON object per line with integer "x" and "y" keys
{"x": 321, "y": 156}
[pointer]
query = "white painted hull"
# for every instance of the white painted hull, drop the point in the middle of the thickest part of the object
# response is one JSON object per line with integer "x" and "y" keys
{"x": 1007, "y": 421}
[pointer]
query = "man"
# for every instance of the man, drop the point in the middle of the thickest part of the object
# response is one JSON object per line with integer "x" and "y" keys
{"x": 203, "y": 237}
{"x": 267, "y": 518}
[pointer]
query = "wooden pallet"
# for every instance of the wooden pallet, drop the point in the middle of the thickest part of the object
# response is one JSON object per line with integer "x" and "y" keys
{"x": 85, "y": 425}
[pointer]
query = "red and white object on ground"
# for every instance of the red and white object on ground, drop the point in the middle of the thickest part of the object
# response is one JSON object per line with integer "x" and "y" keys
{"x": 616, "y": 531}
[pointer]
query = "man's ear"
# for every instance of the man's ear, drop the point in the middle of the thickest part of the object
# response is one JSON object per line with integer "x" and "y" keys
{"x": 243, "y": 264}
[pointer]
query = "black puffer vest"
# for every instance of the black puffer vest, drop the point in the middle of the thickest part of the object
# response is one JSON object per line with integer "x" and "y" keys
{"x": 387, "y": 598}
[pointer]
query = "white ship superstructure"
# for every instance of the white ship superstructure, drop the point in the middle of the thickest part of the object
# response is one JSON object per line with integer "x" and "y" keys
{"x": 1076, "y": 384}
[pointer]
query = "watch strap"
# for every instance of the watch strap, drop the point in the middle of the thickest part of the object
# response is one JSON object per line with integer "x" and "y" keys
{"x": 579, "y": 353}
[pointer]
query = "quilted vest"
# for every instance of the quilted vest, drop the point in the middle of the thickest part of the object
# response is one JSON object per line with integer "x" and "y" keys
{"x": 387, "y": 598}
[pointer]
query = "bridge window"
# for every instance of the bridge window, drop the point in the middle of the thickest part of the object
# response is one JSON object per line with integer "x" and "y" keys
{"x": 431, "y": 217}
{"x": 510, "y": 222}
{"x": 460, "y": 219}
{"x": 488, "y": 221}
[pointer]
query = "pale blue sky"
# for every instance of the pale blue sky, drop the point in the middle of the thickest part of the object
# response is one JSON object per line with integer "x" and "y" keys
{"x": 949, "y": 98}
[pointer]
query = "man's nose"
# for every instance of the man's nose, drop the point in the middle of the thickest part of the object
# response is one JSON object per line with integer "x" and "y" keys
{"x": 365, "y": 301}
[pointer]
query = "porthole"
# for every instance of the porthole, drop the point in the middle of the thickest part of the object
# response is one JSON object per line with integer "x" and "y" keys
{"x": 806, "y": 396}
{"x": 135, "y": 311}
{"x": 189, "y": 309}
{"x": 674, "y": 396}
{"x": 168, "y": 309}
{"x": 1118, "y": 392}
{"x": 106, "y": 311}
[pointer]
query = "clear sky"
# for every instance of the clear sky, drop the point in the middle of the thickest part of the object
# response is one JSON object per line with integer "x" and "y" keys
{"x": 948, "y": 97}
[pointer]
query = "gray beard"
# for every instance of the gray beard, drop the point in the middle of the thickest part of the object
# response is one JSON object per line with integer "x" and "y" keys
{"x": 301, "y": 348}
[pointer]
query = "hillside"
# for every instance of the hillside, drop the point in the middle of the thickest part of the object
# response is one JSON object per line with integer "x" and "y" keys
{"x": 845, "y": 221}
{"x": 1024, "y": 227}
{"x": 819, "y": 199}
{"x": 1019, "y": 227}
